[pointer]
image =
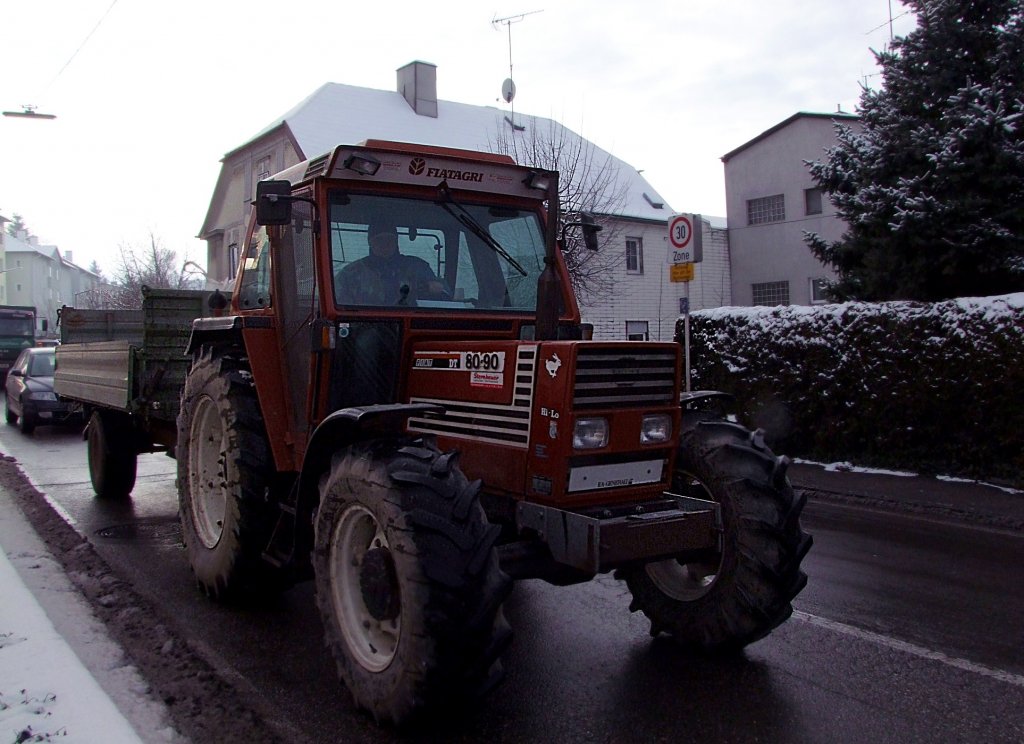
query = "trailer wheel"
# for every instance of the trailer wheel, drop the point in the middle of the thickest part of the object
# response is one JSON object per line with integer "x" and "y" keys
{"x": 225, "y": 473}
{"x": 110, "y": 448}
{"x": 743, "y": 592}
{"x": 407, "y": 581}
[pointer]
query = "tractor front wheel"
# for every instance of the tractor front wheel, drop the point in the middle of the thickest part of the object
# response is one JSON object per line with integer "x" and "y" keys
{"x": 743, "y": 592}
{"x": 225, "y": 473}
{"x": 407, "y": 580}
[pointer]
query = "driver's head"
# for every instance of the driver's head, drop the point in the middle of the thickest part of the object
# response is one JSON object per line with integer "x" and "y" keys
{"x": 383, "y": 240}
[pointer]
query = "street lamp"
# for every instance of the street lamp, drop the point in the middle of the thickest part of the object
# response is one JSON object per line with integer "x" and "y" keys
{"x": 29, "y": 112}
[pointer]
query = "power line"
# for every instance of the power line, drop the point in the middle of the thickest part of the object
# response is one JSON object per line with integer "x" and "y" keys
{"x": 80, "y": 46}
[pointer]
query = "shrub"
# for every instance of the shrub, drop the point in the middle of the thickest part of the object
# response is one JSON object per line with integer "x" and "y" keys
{"x": 938, "y": 388}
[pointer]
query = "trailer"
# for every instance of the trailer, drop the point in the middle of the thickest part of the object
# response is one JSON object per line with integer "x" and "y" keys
{"x": 125, "y": 370}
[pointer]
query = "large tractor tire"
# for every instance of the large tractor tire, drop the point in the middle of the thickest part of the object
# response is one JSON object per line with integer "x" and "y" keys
{"x": 743, "y": 592}
{"x": 225, "y": 475}
{"x": 407, "y": 581}
{"x": 110, "y": 449}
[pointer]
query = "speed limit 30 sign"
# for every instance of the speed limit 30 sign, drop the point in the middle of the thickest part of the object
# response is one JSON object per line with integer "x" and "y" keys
{"x": 684, "y": 239}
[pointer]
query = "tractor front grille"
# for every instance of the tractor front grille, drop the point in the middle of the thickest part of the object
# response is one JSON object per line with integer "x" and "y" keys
{"x": 616, "y": 377}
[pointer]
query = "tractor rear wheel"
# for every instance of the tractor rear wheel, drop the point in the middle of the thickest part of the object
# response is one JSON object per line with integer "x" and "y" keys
{"x": 225, "y": 472}
{"x": 110, "y": 450}
{"x": 407, "y": 580}
{"x": 743, "y": 592}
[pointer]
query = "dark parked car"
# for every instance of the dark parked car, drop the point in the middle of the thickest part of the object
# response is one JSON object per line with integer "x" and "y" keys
{"x": 30, "y": 397}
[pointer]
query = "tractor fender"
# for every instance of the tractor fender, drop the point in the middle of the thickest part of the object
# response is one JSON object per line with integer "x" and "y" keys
{"x": 226, "y": 331}
{"x": 688, "y": 400}
{"x": 342, "y": 429}
{"x": 349, "y": 425}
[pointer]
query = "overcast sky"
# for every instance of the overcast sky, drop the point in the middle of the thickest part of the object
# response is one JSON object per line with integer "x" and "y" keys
{"x": 154, "y": 98}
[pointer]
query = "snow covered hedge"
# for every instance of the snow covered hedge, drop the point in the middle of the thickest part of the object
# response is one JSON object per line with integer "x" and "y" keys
{"x": 932, "y": 387}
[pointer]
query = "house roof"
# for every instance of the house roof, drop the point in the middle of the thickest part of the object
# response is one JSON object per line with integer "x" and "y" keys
{"x": 51, "y": 252}
{"x": 345, "y": 114}
{"x": 836, "y": 116}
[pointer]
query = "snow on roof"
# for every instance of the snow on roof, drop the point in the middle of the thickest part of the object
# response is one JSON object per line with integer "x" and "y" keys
{"x": 345, "y": 114}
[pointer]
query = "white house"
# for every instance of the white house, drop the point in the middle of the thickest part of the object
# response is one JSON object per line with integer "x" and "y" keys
{"x": 643, "y": 302}
{"x": 771, "y": 201}
{"x": 41, "y": 277}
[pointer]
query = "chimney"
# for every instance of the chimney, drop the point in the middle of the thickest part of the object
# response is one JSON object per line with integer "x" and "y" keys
{"x": 67, "y": 256}
{"x": 417, "y": 82}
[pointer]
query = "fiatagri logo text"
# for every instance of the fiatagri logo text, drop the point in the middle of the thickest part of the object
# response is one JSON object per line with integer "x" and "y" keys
{"x": 418, "y": 166}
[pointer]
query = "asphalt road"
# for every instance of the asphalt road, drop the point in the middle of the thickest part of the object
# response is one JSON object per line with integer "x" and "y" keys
{"x": 909, "y": 630}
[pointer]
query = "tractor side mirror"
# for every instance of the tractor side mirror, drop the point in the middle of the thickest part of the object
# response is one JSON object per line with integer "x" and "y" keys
{"x": 590, "y": 228}
{"x": 273, "y": 203}
{"x": 590, "y": 231}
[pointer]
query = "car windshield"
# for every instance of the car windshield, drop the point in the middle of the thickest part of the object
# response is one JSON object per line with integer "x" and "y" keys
{"x": 417, "y": 253}
{"x": 41, "y": 365}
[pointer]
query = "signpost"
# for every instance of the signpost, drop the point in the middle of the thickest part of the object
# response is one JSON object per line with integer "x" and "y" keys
{"x": 685, "y": 240}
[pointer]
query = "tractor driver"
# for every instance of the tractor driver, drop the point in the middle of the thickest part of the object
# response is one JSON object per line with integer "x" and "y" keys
{"x": 386, "y": 276}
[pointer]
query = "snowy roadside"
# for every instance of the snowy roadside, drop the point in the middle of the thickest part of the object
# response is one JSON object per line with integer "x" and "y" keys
{"x": 846, "y": 467}
{"x": 59, "y": 671}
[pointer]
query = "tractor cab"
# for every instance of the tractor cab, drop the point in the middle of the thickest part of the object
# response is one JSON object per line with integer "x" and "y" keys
{"x": 359, "y": 255}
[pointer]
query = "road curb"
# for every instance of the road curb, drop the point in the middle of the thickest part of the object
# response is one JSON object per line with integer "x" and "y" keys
{"x": 179, "y": 675}
{"x": 941, "y": 511}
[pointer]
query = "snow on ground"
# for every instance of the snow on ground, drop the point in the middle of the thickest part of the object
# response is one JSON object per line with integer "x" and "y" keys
{"x": 62, "y": 678}
{"x": 46, "y": 693}
{"x": 846, "y": 467}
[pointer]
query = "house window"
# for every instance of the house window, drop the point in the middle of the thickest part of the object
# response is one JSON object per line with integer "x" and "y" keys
{"x": 770, "y": 293}
{"x": 260, "y": 172}
{"x": 262, "y": 168}
{"x": 232, "y": 260}
{"x": 818, "y": 294}
{"x": 766, "y": 209}
{"x": 812, "y": 201}
{"x": 634, "y": 256}
{"x": 637, "y": 330}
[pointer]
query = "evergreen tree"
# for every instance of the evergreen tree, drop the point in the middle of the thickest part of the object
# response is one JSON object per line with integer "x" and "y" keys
{"x": 932, "y": 186}
{"x": 16, "y": 225}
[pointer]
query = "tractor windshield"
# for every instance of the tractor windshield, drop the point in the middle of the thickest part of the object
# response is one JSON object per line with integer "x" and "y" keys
{"x": 420, "y": 253}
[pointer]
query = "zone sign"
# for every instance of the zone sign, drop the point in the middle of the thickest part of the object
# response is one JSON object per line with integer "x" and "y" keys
{"x": 684, "y": 244}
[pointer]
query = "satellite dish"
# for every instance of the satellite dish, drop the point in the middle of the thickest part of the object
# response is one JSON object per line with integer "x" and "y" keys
{"x": 508, "y": 90}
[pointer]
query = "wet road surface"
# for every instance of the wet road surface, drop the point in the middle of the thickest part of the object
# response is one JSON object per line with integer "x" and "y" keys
{"x": 909, "y": 630}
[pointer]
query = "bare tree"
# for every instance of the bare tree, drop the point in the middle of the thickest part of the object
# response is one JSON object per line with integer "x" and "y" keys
{"x": 588, "y": 182}
{"x": 152, "y": 266}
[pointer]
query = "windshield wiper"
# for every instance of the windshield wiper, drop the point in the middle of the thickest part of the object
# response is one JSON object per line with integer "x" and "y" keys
{"x": 467, "y": 219}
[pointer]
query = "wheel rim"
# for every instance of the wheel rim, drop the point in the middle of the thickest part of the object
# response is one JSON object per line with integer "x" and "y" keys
{"x": 371, "y": 639}
{"x": 207, "y": 477}
{"x": 686, "y": 580}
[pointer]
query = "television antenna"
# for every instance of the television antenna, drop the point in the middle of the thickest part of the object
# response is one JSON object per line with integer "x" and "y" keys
{"x": 508, "y": 88}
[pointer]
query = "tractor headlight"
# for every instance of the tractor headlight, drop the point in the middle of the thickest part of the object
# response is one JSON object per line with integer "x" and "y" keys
{"x": 655, "y": 428}
{"x": 590, "y": 433}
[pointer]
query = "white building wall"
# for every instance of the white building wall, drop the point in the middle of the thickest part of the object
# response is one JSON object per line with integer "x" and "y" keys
{"x": 650, "y": 297}
{"x": 772, "y": 164}
{"x": 39, "y": 277}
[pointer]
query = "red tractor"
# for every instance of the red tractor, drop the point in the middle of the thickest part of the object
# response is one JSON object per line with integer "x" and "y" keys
{"x": 402, "y": 403}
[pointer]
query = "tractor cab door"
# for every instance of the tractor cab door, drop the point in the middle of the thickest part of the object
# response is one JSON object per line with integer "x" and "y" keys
{"x": 296, "y": 309}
